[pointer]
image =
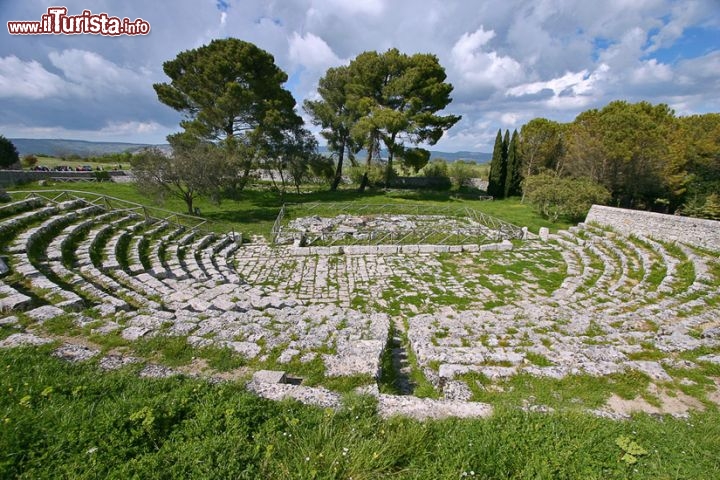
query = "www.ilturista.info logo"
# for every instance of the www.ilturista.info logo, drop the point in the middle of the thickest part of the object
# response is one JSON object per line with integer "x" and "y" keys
{"x": 57, "y": 21}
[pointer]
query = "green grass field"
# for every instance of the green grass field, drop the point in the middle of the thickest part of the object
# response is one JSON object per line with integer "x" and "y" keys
{"x": 59, "y": 420}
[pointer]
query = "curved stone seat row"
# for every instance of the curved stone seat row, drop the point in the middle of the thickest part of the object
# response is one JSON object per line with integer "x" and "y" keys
{"x": 621, "y": 297}
{"x": 155, "y": 278}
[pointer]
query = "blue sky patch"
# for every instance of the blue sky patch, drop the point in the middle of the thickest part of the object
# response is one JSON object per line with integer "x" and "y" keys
{"x": 695, "y": 42}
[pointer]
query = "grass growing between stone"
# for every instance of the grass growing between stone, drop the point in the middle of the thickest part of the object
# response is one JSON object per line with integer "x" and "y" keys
{"x": 59, "y": 420}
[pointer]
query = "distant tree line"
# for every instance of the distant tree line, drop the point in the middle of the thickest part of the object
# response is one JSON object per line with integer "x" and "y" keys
{"x": 633, "y": 155}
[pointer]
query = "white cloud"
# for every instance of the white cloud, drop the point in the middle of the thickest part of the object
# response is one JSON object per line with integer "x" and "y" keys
{"x": 510, "y": 119}
{"x": 133, "y": 131}
{"x": 311, "y": 51}
{"x": 354, "y": 7}
{"x": 20, "y": 79}
{"x": 651, "y": 71}
{"x": 483, "y": 68}
{"x": 93, "y": 73}
{"x": 508, "y": 61}
{"x": 572, "y": 90}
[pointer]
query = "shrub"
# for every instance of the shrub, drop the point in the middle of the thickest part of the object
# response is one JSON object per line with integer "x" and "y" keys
{"x": 460, "y": 173}
{"x": 568, "y": 198}
{"x": 376, "y": 173}
{"x": 102, "y": 176}
{"x": 29, "y": 161}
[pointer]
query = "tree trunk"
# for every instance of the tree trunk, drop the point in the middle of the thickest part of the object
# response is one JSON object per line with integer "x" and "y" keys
{"x": 365, "y": 181}
{"x": 388, "y": 170}
{"x": 338, "y": 171}
{"x": 244, "y": 179}
{"x": 391, "y": 155}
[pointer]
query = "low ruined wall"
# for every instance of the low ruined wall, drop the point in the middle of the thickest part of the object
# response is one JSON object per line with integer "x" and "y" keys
{"x": 398, "y": 249}
{"x": 671, "y": 228}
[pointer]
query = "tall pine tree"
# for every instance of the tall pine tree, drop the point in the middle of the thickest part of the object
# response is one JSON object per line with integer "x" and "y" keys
{"x": 514, "y": 175}
{"x": 496, "y": 184}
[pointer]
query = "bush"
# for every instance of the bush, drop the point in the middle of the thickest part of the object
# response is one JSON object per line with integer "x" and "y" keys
{"x": 102, "y": 176}
{"x": 460, "y": 173}
{"x": 376, "y": 173}
{"x": 29, "y": 161}
{"x": 568, "y": 198}
{"x": 436, "y": 168}
{"x": 698, "y": 207}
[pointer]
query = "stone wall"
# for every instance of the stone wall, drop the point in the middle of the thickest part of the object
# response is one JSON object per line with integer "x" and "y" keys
{"x": 672, "y": 228}
{"x": 434, "y": 182}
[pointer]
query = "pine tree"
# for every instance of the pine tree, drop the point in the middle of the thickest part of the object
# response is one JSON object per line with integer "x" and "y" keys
{"x": 514, "y": 174}
{"x": 495, "y": 186}
{"x": 8, "y": 153}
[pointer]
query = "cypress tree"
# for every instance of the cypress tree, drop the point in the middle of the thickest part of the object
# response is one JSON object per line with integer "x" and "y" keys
{"x": 495, "y": 187}
{"x": 514, "y": 174}
{"x": 503, "y": 175}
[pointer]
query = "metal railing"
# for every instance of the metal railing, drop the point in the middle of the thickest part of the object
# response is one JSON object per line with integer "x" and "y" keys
{"x": 277, "y": 226}
{"x": 151, "y": 214}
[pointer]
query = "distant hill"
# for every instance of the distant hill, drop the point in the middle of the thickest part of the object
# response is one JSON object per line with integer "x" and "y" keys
{"x": 478, "y": 157}
{"x": 61, "y": 147}
{"x": 58, "y": 147}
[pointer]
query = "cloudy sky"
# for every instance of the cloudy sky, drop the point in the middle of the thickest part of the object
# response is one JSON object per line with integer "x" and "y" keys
{"x": 509, "y": 61}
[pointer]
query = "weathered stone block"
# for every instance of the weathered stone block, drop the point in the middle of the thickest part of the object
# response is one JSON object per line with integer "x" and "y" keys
{"x": 269, "y": 376}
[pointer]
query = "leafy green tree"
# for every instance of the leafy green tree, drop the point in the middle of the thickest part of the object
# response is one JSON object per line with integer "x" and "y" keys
{"x": 231, "y": 93}
{"x": 642, "y": 153}
{"x": 294, "y": 156}
{"x": 540, "y": 145}
{"x": 496, "y": 178}
{"x": 697, "y": 149}
{"x": 557, "y": 197}
{"x": 513, "y": 177}
{"x": 333, "y": 114}
{"x": 396, "y": 98}
{"x": 8, "y": 153}
{"x": 625, "y": 147}
{"x": 193, "y": 170}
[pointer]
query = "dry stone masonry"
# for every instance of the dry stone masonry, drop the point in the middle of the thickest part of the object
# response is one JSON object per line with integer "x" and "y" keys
{"x": 671, "y": 228}
{"x": 591, "y": 300}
